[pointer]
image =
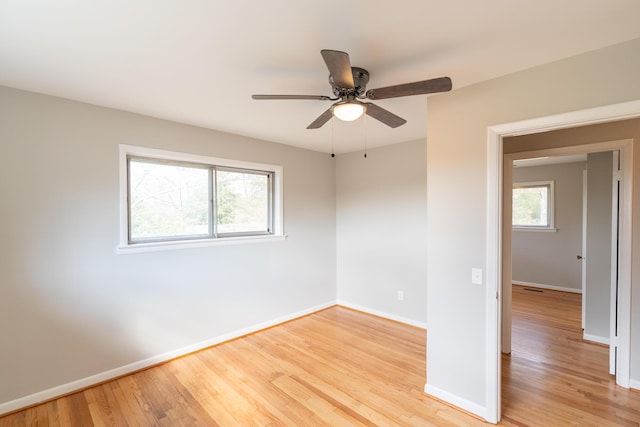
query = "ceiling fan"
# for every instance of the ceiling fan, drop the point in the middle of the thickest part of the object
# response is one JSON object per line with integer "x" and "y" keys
{"x": 349, "y": 88}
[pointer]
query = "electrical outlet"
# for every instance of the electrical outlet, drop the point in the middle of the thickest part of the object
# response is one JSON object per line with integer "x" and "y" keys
{"x": 400, "y": 295}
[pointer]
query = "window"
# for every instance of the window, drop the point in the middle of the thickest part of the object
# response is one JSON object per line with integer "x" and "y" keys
{"x": 533, "y": 205}
{"x": 174, "y": 199}
{"x": 243, "y": 201}
{"x": 168, "y": 201}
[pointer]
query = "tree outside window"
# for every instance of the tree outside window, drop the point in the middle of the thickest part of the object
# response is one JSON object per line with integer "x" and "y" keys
{"x": 533, "y": 205}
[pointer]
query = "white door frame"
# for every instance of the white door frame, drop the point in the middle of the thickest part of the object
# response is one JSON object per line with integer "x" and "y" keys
{"x": 583, "y": 261}
{"x": 617, "y": 217}
{"x": 494, "y": 247}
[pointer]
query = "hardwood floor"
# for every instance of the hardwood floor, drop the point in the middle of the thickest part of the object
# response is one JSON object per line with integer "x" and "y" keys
{"x": 340, "y": 367}
{"x": 553, "y": 377}
{"x": 337, "y": 367}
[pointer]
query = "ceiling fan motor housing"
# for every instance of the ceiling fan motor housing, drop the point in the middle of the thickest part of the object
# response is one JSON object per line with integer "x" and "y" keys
{"x": 360, "y": 81}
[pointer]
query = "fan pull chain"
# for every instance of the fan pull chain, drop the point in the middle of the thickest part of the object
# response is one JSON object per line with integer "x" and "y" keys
{"x": 364, "y": 129}
{"x": 333, "y": 144}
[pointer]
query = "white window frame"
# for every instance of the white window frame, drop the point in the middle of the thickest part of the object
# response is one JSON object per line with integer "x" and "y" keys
{"x": 550, "y": 206}
{"x": 126, "y": 151}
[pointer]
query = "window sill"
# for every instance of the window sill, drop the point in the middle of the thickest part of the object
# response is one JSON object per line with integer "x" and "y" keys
{"x": 544, "y": 230}
{"x": 201, "y": 243}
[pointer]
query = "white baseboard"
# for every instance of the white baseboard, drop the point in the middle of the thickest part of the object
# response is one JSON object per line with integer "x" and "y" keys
{"x": 634, "y": 384}
{"x": 383, "y": 314}
{"x": 595, "y": 338}
{"x": 54, "y": 392}
{"x": 458, "y": 401}
{"x": 550, "y": 287}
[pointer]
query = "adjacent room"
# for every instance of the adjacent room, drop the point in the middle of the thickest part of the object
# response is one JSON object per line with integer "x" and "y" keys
{"x": 192, "y": 231}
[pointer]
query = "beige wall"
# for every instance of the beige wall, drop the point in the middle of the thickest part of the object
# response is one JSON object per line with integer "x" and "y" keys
{"x": 457, "y": 174}
{"x": 549, "y": 258}
{"x": 581, "y": 135}
{"x": 381, "y": 230}
{"x": 70, "y": 307}
{"x": 598, "y": 256}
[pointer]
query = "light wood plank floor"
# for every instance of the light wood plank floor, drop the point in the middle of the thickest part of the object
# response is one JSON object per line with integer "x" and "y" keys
{"x": 339, "y": 367}
{"x": 553, "y": 377}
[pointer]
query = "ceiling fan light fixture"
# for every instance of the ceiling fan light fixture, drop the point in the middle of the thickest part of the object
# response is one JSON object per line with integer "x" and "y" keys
{"x": 348, "y": 111}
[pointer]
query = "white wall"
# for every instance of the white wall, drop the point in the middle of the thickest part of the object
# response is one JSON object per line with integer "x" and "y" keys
{"x": 456, "y": 216}
{"x": 549, "y": 258}
{"x": 381, "y": 241}
{"x": 71, "y": 308}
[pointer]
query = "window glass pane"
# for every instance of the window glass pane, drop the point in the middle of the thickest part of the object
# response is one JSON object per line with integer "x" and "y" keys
{"x": 167, "y": 200}
{"x": 242, "y": 202}
{"x": 531, "y": 206}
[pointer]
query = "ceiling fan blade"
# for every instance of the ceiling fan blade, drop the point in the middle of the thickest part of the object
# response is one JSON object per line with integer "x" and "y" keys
{"x": 441, "y": 84}
{"x": 314, "y": 97}
{"x": 339, "y": 67}
{"x": 324, "y": 118}
{"x": 385, "y": 116}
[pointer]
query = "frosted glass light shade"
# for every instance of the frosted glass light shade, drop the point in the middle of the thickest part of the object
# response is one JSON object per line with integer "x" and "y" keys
{"x": 348, "y": 111}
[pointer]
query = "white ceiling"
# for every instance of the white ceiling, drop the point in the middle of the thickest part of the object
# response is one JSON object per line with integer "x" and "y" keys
{"x": 199, "y": 61}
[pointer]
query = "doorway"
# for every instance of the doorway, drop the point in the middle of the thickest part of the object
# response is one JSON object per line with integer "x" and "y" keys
{"x": 622, "y": 265}
{"x": 497, "y": 296}
{"x": 551, "y": 256}
{"x": 601, "y": 255}
{"x": 550, "y": 350}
